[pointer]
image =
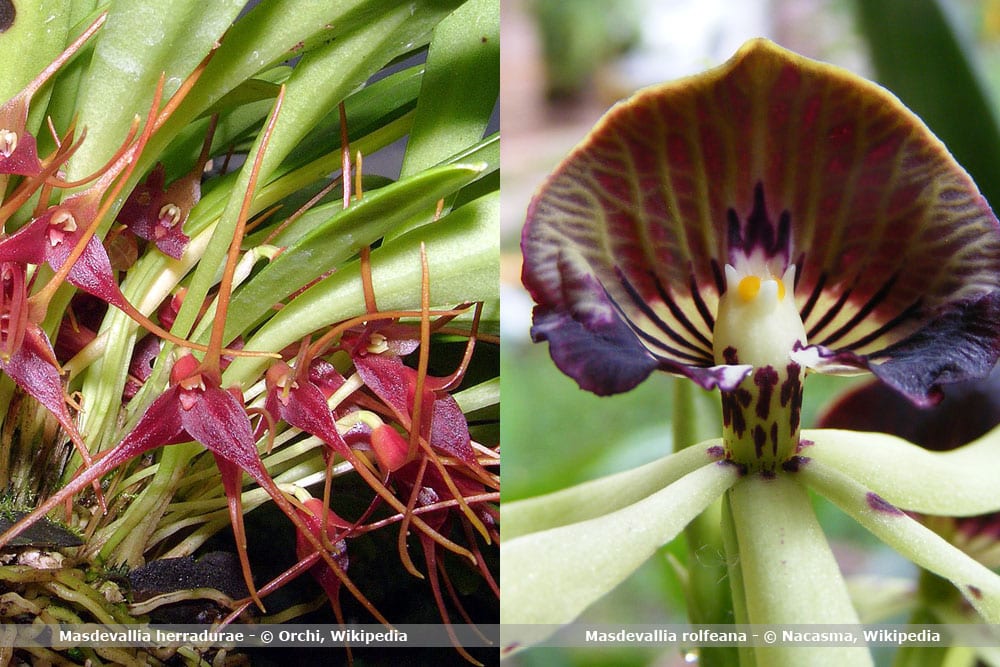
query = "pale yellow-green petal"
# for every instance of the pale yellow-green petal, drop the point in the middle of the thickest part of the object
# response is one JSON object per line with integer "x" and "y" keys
{"x": 599, "y": 496}
{"x": 960, "y": 482}
{"x": 979, "y": 585}
{"x": 550, "y": 577}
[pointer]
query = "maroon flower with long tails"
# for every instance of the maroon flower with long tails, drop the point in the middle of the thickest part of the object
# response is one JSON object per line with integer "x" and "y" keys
{"x": 742, "y": 227}
{"x": 196, "y": 407}
{"x": 770, "y": 216}
{"x": 18, "y": 147}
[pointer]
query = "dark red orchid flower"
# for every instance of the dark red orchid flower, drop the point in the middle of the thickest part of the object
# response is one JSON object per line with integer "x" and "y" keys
{"x": 151, "y": 214}
{"x": 26, "y": 354}
{"x": 157, "y": 214}
{"x": 18, "y": 147}
{"x": 194, "y": 407}
{"x": 301, "y": 401}
{"x": 59, "y": 238}
{"x": 318, "y": 517}
{"x": 426, "y": 486}
{"x": 377, "y": 352}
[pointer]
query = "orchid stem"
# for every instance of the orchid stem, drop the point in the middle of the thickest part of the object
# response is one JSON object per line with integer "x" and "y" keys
{"x": 213, "y": 356}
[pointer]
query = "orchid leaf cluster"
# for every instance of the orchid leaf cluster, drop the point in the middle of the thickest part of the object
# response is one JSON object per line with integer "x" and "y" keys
{"x": 210, "y": 305}
{"x": 743, "y": 229}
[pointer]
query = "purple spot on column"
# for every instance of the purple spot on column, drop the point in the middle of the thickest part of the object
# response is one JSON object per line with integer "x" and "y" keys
{"x": 743, "y": 397}
{"x": 732, "y": 414}
{"x": 976, "y": 593}
{"x": 766, "y": 378}
{"x": 792, "y": 384}
{"x": 759, "y": 439}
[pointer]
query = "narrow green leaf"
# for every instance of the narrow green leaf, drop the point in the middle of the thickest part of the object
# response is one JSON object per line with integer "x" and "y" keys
{"x": 977, "y": 583}
{"x": 483, "y": 395}
{"x": 37, "y": 35}
{"x": 319, "y": 81}
{"x": 463, "y": 251}
{"x": 324, "y": 77}
{"x": 919, "y": 56}
{"x": 66, "y": 86}
{"x": 960, "y": 482}
{"x": 141, "y": 40}
{"x": 600, "y": 496}
{"x": 789, "y": 572}
{"x": 265, "y": 36}
{"x": 459, "y": 93}
{"x": 550, "y": 577}
{"x": 367, "y": 109}
{"x": 460, "y": 86}
{"x": 341, "y": 236}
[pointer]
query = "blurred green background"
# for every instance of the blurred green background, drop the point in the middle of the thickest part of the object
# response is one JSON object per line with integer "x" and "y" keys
{"x": 562, "y": 65}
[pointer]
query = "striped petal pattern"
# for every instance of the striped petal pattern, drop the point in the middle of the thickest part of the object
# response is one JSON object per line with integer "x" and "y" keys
{"x": 775, "y": 160}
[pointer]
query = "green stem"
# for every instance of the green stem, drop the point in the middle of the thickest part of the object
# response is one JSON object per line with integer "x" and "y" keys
{"x": 129, "y": 541}
{"x": 708, "y": 603}
{"x": 747, "y": 657}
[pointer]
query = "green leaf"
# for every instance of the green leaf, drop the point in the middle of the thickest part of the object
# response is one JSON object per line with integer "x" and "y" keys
{"x": 909, "y": 537}
{"x": 38, "y": 34}
{"x": 268, "y": 34}
{"x": 600, "y": 496}
{"x": 460, "y": 86}
{"x": 789, "y": 573}
{"x": 341, "y": 236}
{"x": 483, "y": 395}
{"x": 919, "y": 56}
{"x": 324, "y": 77}
{"x": 462, "y": 255}
{"x": 960, "y": 482}
{"x": 141, "y": 40}
{"x": 550, "y": 577}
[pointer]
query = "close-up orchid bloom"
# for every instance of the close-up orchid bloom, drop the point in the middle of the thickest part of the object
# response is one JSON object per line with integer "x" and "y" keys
{"x": 745, "y": 228}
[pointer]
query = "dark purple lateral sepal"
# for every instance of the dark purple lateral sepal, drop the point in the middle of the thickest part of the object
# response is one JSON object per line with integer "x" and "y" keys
{"x": 969, "y": 410}
{"x": 960, "y": 343}
{"x": 604, "y": 357}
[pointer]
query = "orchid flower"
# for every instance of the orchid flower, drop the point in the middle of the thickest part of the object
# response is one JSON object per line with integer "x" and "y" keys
{"x": 742, "y": 228}
{"x": 18, "y": 147}
{"x": 158, "y": 214}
